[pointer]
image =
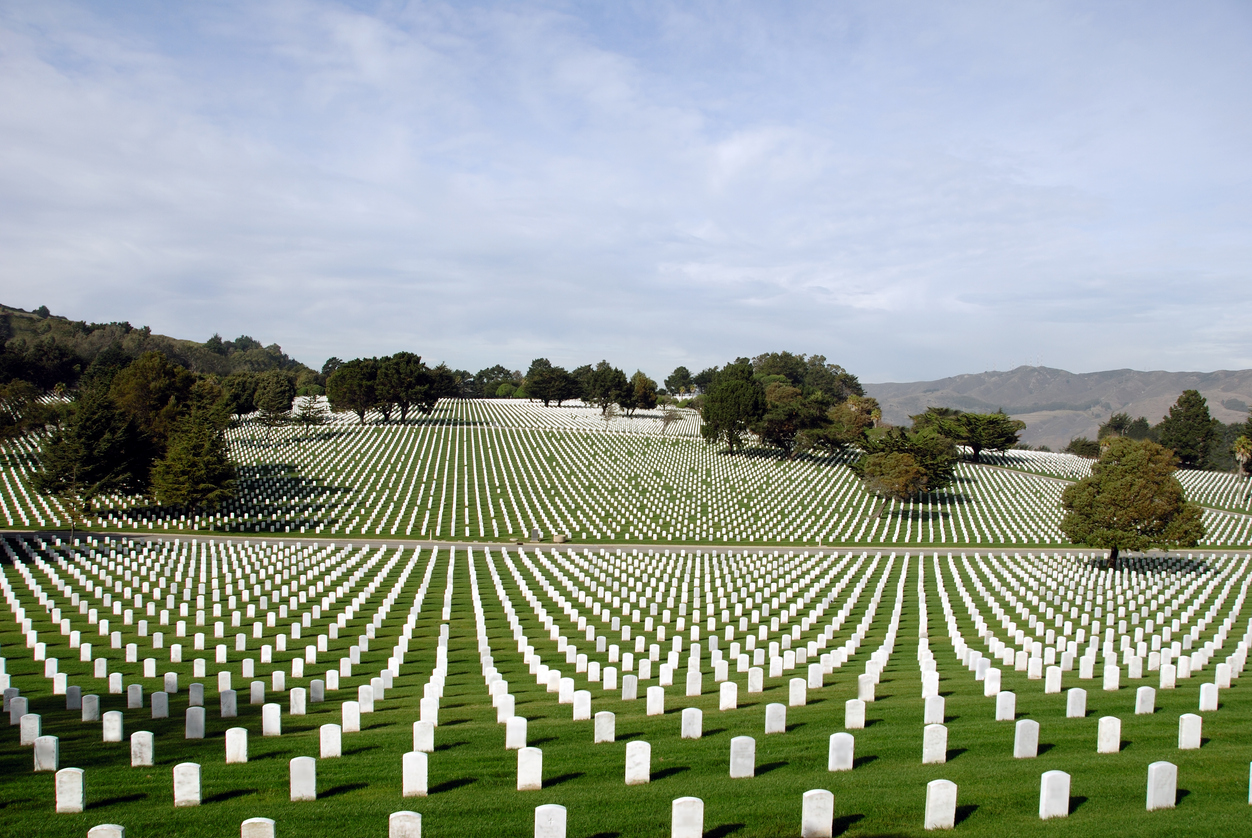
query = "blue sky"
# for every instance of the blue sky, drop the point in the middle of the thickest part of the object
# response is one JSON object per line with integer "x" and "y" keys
{"x": 913, "y": 190}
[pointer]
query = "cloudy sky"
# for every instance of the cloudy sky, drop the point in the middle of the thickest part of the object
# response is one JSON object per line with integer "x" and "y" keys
{"x": 911, "y": 189}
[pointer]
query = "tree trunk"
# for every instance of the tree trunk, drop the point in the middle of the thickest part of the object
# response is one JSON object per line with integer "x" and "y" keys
{"x": 1112, "y": 564}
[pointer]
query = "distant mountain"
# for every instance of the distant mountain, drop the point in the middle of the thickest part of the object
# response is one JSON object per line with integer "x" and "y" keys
{"x": 1057, "y": 405}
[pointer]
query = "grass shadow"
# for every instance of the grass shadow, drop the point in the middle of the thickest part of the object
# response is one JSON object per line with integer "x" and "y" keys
{"x": 562, "y": 778}
{"x": 844, "y": 823}
{"x": 953, "y": 753}
{"x": 714, "y": 731}
{"x": 724, "y": 830}
{"x": 795, "y": 726}
{"x": 449, "y": 785}
{"x": 124, "y": 798}
{"x": 606, "y": 835}
{"x": 1043, "y": 749}
{"x": 1182, "y": 793}
{"x": 536, "y": 743}
{"x": 1075, "y": 802}
{"x": 669, "y": 772}
{"x": 343, "y": 789}
{"x": 770, "y": 766}
{"x": 361, "y": 750}
{"x": 447, "y": 746}
{"x": 228, "y": 795}
{"x": 963, "y": 813}
{"x": 861, "y": 762}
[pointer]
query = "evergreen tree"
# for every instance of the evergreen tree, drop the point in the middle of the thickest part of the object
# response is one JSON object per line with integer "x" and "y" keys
{"x": 928, "y": 451}
{"x": 196, "y": 471}
{"x": 1188, "y": 430}
{"x": 642, "y": 393}
{"x": 403, "y": 380}
{"x": 790, "y": 418}
{"x": 679, "y": 381}
{"x": 1131, "y": 501}
{"x": 734, "y": 403}
{"x": 606, "y": 385}
{"x": 274, "y": 395}
{"x": 353, "y": 387}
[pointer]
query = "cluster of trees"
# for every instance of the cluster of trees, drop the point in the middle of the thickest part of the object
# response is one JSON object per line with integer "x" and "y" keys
{"x": 147, "y": 427}
{"x": 396, "y": 384}
{"x": 1197, "y": 439}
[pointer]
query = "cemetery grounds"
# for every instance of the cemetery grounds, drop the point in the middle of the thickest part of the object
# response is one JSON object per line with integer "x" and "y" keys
{"x": 687, "y": 571}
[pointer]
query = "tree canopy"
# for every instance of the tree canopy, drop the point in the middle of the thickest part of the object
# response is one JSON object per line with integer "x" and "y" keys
{"x": 353, "y": 387}
{"x": 733, "y": 404}
{"x": 898, "y": 464}
{"x": 1188, "y": 429}
{"x": 1131, "y": 501}
{"x": 606, "y": 385}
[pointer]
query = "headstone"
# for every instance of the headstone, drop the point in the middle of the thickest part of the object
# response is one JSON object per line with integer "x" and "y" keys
{"x": 404, "y": 825}
{"x": 1109, "y": 735}
{"x": 693, "y": 723}
{"x": 1052, "y": 680}
{"x": 630, "y": 687}
{"x": 742, "y": 757}
{"x": 865, "y": 687}
{"x": 728, "y": 696}
{"x": 605, "y": 727}
{"x": 1026, "y": 739}
{"x": 550, "y": 819}
{"x": 257, "y": 828}
{"x": 113, "y": 728}
{"x": 1162, "y": 785}
{"x": 1006, "y": 706}
{"x": 775, "y": 718}
{"x": 1076, "y": 703}
{"x": 160, "y": 703}
{"x": 296, "y": 698}
{"x": 797, "y": 695}
{"x": 415, "y": 774}
{"x": 817, "y": 814}
{"x": 107, "y": 830}
{"x": 330, "y": 738}
{"x": 756, "y": 680}
{"x": 582, "y": 705}
{"x": 195, "y": 695}
{"x": 186, "y": 784}
{"x": 428, "y": 709}
{"x": 134, "y": 697}
{"x": 47, "y": 754}
{"x": 940, "y": 805}
{"x": 991, "y": 683}
{"x": 365, "y": 698}
{"x": 74, "y": 698}
{"x": 71, "y": 791}
{"x": 424, "y": 737}
{"x": 854, "y": 714}
{"x": 271, "y": 720}
{"x": 91, "y": 708}
{"x": 638, "y": 763}
{"x": 30, "y": 729}
{"x": 317, "y": 693}
{"x": 194, "y": 728}
{"x": 1189, "y": 726}
{"x": 303, "y": 779}
{"x": 236, "y": 746}
{"x": 934, "y": 745}
{"x": 687, "y": 818}
{"x": 933, "y": 713}
{"x": 656, "y": 701}
{"x": 256, "y": 692}
{"x": 171, "y": 682}
{"x": 842, "y": 751}
{"x": 350, "y": 714}
{"x": 529, "y": 769}
{"x": 515, "y": 733}
{"x": 1208, "y": 698}
{"x": 1054, "y": 795}
{"x": 1145, "y": 701}
{"x": 142, "y": 749}
{"x": 1112, "y": 677}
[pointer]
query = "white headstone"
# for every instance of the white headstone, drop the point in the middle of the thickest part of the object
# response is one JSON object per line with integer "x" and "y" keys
{"x": 30, "y": 729}
{"x": 940, "y": 805}
{"x": 350, "y": 716}
{"x": 47, "y": 754}
{"x": 257, "y": 828}
{"x": 550, "y": 821}
{"x": 1076, "y": 703}
{"x": 933, "y": 713}
{"x": 865, "y": 687}
{"x": 991, "y": 683}
{"x": 656, "y": 701}
{"x": 1054, "y": 795}
{"x": 113, "y": 728}
{"x": 854, "y": 714}
{"x": 687, "y": 818}
{"x": 775, "y": 718}
{"x": 515, "y": 733}
{"x": 107, "y": 830}
{"x": 582, "y": 705}
{"x": 404, "y": 825}
{"x": 728, "y": 696}
{"x": 187, "y": 784}
{"x": 424, "y": 737}
{"x": 160, "y": 703}
{"x": 271, "y": 720}
{"x": 638, "y": 763}
{"x": 1109, "y": 735}
{"x": 1208, "y": 698}
{"x": 330, "y": 739}
{"x": 71, "y": 791}
{"x": 142, "y": 749}
{"x": 817, "y": 814}
{"x": 1006, "y": 706}
{"x": 842, "y": 752}
{"x": 237, "y": 745}
{"x": 415, "y": 773}
{"x": 934, "y": 745}
{"x": 1145, "y": 701}
{"x": 529, "y": 769}
{"x": 1189, "y": 727}
{"x": 194, "y": 726}
{"x": 1162, "y": 785}
{"x": 303, "y": 779}
{"x": 693, "y": 723}
{"x": 797, "y": 695}
{"x": 1026, "y": 739}
{"x": 742, "y": 757}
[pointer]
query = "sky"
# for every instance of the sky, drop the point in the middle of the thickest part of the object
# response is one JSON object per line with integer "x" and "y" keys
{"x": 911, "y": 189}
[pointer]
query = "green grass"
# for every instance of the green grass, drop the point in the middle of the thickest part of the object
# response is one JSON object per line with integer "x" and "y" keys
{"x": 473, "y": 777}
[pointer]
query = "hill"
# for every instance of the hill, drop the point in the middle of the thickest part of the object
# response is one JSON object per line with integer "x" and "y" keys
{"x": 47, "y": 349}
{"x": 1057, "y": 405}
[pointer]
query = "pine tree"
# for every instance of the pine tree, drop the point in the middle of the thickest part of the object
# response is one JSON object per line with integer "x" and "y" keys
{"x": 196, "y": 471}
{"x": 1188, "y": 430}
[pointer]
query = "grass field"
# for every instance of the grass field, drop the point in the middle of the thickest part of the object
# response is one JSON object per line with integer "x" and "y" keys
{"x": 495, "y": 470}
{"x": 829, "y": 598}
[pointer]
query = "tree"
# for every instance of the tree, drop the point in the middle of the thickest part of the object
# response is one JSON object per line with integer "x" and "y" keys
{"x": 1188, "y": 429}
{"x": 488, "y": 380}
{"x": 642, "y": 393}
{"x": 679, "y": 381}
{"x": 1083, "y": 447}
{"x": 790, "y": 418}
{"x": 1131, "y": 501}
{"x": 310, "y": 412}
{"x": 155, "y": 394}
{"x": 274, "y": 394}
{"x": 546, "y": 382}
{"x": 703, "y": 380}
{"x": 931, "y": 452}
{"x": 891, "y": 475}
{"x": 196, "y": 471}
{"x": 1120, "y": 424}
{"x": 100, "y": 450}
{"x": 847, "y": 423}
{"x": 1243, "y": 453}
{"x": 734, "y": 403}
{"x": 978, "y": 431}
{"x": 240, "y": 392}
{"x": 669, "y": 416}
{"x": 569, "y": 387}
{"x": 607, "y": 385}
{"x": 352, "y": 387}
{"x": 403, "y": 380}
{"x": 20, "y": 410}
